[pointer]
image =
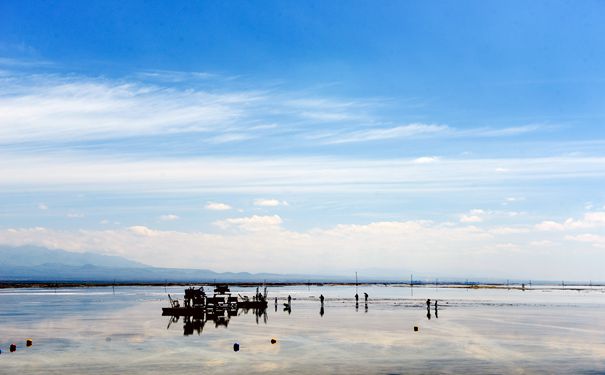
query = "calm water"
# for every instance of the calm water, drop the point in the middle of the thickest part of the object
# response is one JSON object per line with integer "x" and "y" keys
{"x": 94, "y": 331}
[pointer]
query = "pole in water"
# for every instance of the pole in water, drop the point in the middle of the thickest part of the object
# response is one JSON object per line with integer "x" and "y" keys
{"x": 355, "y": 282}
{"x": 411, "y": 281}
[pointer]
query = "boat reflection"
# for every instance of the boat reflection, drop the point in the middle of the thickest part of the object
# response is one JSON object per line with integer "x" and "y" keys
{"x": 220, "y": 318}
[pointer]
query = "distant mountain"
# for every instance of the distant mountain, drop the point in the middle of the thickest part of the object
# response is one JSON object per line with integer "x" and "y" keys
{"x": 32, "y": 256}
{"x": 31, "y": 263}
{"x": 38, "y": 264}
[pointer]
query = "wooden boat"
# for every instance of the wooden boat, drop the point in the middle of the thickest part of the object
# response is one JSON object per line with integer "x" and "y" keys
{"x": 197, "y": 303}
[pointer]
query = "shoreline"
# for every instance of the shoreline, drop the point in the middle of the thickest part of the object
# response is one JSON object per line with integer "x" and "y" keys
{"x": 101, "y": 284}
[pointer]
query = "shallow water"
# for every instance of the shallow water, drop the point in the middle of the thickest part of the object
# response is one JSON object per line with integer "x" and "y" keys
{"x": 97, "y": 331}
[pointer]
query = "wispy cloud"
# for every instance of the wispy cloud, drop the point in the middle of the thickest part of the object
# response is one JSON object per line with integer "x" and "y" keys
{"x": 420, "y": 130}
{"x": 51, "y": 109}
{"x": 66, "y": 109}
{"x": 403, "y": 131}
{"x": 270, "y": 176}
{"x": 174, "y": 76}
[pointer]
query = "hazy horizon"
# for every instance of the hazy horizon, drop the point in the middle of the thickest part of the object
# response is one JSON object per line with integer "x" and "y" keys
{"x": 453, "y": 138}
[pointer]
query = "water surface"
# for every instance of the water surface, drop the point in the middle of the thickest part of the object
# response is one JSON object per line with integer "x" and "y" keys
{"x": 99, "y": 331}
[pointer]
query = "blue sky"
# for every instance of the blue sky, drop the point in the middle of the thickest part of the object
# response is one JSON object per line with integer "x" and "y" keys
{"x": 446, "y": 138}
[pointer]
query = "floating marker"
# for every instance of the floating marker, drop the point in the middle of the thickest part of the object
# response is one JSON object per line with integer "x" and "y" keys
{"x": 273, "y": 341}
{"x": 29, "y": 342}
{"x": 415, "y": 328}
{"x": 236, "y": 347}
{"x": 13, "y": 348}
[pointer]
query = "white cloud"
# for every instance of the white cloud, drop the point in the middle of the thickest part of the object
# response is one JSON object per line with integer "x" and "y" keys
{"x": 541, "y": 243}
{"x": 251, "y": 223}
{"x": 589, "y": 220}
{"x": 75, "y": 215}
{"x": 143, "y": 231}
{"x": 550, "y": 225}
{"x": 470, "y": 219}
{"x": 269, "y": 202}
{"x": 169, "y": 217}
{"x": 474, "y": 216}
{"x": 217, "y": 206}
{"x": 508, "y": 230}
{"x": 426, "y": 159}
{"x": 262, "y": 243}
{"x": 593, "y": 239}
{"x": 42, "y": 206}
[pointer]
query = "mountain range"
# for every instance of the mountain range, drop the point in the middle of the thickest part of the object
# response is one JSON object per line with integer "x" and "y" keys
{"x": 32, "y": 263}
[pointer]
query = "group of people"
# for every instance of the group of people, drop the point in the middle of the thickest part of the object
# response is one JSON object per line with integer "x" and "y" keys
{"x": 428, "y": 309}
{"x": 287, "y": 306}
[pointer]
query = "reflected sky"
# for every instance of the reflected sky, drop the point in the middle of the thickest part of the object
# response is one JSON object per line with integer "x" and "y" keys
{"x": 94, "y": 331}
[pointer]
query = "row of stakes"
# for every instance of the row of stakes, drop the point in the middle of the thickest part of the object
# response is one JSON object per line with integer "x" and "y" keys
{"x": 29, "y": 342}
{"x": 13, "y": 347}
{"x": 274, "y": 341}
{"x": 236, "y": 345}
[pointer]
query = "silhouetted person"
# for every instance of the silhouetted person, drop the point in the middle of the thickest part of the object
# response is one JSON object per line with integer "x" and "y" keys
{"x": 428, "y": 303}
{"x": 321, "y": 310}
{"x": 356, "y": 298}
{"x": 321, "y": 299}
{"x": 289, "y": 299}
{"x": 275, "y": 301}
{"x": 436, "y": 309}
{"x": 366, "y": 296}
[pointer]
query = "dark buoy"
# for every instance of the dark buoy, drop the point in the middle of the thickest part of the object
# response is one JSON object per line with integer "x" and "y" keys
{"x": 415, "y": 328}
{"x": 13, "y": 348}
{"x": 29, "y": 342}
{"x": 236, "y": 347}
{"x": 273, "y": 341}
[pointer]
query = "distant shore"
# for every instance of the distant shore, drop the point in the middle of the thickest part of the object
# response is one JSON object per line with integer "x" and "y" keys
{"x": 95, "y": 284}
